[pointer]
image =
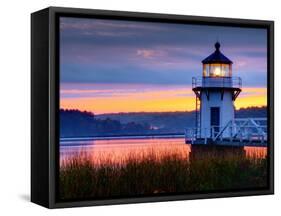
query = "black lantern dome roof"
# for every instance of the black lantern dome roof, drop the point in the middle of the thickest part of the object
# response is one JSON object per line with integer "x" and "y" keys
{"x": 217, "y": 57}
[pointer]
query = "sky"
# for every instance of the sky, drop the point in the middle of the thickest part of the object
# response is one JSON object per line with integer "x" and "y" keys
{"x": 111, "y": 66}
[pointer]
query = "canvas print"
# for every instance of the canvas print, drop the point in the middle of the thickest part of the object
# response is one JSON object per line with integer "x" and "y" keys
{"x": 152, "y": 109}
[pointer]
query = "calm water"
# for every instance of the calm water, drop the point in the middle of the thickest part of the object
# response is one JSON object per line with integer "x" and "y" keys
{"x": 119, "y": 150}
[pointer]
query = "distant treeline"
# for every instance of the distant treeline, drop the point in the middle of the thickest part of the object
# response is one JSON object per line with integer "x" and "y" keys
{"x": 252, "y": 112}
{"x": 74, "y": 123}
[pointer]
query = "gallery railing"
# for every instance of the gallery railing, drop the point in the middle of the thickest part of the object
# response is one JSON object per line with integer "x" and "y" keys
{"x": 221, "y": 82}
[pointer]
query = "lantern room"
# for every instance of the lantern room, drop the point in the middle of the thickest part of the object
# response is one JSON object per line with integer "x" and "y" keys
{"x": 217, "y": 64}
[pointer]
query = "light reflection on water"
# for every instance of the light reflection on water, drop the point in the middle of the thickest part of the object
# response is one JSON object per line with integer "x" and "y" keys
{"x": 119, "y": 150}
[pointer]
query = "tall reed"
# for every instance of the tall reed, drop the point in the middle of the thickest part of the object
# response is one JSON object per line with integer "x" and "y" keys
{"x": 80, "y": 178}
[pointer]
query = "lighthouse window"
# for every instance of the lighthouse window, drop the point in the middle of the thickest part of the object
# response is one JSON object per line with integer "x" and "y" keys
{"x": 217, "y": 70}
{"x": 205, "y": 72}
{"x": 226, "y": 70}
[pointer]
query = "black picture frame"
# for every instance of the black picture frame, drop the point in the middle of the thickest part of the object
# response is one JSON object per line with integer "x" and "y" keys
{"x": 45, "y": 102}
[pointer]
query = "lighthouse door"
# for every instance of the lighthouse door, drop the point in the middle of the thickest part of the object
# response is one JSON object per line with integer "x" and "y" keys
{"x": 215, "y": 120}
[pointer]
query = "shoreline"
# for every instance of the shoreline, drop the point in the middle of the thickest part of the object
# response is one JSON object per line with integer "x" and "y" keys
{"x": 164, "y": 136}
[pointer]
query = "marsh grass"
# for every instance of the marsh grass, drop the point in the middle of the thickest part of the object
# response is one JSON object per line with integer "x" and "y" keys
{"x": 148, "y": 174}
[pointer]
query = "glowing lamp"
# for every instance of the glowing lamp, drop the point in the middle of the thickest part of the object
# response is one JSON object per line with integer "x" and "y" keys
{"x": 217, "y": 65}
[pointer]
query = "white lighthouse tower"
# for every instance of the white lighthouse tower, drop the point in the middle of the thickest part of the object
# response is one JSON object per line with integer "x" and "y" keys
{"x": 215, "y": 93}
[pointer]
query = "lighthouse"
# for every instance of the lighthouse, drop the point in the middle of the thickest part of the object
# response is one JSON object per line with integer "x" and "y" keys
{"x": 215, "y": 92}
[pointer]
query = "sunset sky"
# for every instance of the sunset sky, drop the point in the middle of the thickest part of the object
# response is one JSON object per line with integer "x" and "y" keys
{"x": 110, "y": 66}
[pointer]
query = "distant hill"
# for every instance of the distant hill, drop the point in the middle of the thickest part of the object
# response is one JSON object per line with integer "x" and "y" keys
{"x": 169, "y": 122}
{"x": 74, "y": 123}
{"x": 252, "y": 112}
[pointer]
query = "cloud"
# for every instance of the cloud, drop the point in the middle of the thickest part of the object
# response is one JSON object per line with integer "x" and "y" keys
{"x": 112, "y": 51}
{"x": 89, "y": 90}
{"x": 149, "y": 53}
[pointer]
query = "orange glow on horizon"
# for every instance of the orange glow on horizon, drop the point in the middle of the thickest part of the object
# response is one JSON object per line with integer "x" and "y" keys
{"x": 251, "y": 97}
{"x": 182, "y": 99}
{"x": 102, "y": 105}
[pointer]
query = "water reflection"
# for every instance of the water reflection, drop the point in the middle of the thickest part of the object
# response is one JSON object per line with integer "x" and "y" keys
{"x": 120, "y": 150}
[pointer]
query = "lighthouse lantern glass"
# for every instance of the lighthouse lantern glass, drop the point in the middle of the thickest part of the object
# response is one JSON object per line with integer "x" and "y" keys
{"x": 217, "y": 70}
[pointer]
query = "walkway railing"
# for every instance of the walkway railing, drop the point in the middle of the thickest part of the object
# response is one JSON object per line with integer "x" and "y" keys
{"x": 238, "y": 130}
